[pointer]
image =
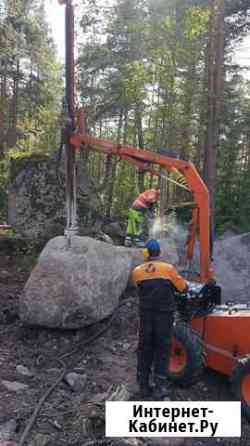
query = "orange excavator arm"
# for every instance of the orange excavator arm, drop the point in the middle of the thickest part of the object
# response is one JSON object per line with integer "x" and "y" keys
{"x": 146, "y": 160}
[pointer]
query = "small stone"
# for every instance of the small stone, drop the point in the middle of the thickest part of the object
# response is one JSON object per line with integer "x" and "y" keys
{"x": 22, "y": 370}
{"x": 53, "y": 371}
{"x": 160, "y": 441}
{"x": 99, "y": 397}
{"x": 40, "y": 440}
{"x": 7, "y": 429}
{"x": 4, "y": 274}
{"x": 14, "y": 386}
{"x": 75, "y": 381}
{"x": 126, "y": 346}
{"x": 80, "y": 369}
{"x": 55, "y": 424}
{"x": 112, "y": 348}
{"x": 105, "y": 238}
{"x": 8, "y": 443}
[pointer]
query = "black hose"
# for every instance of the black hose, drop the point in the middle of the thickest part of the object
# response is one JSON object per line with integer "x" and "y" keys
{"x": 65, "y": 369}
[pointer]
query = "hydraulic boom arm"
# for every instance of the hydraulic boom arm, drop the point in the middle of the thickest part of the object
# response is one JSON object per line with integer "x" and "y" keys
{"x": 145, "y": 160}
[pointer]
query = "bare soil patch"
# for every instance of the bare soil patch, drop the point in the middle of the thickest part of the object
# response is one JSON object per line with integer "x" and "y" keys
{"x": 108, "y": 362}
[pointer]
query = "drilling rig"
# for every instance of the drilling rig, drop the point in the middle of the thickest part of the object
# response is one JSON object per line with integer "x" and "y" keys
{"x": 206, "y": 333}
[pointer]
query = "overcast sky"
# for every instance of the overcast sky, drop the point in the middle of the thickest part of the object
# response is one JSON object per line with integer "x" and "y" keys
{"x": 55, "y": 15}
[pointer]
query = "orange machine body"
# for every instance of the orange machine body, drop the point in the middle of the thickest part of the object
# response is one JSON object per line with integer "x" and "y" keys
{"x": 226, "y": 337}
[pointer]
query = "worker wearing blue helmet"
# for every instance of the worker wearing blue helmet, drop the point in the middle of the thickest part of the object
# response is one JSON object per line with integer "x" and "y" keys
{"x": 156, "y": 282}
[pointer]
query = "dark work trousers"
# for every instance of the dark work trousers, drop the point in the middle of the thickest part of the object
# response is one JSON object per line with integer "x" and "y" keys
{"x": 154, "y": 349}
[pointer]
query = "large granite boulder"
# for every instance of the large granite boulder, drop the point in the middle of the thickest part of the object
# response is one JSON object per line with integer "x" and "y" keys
{"x": 72, "y": 287}
{"x": 232, "y": 267}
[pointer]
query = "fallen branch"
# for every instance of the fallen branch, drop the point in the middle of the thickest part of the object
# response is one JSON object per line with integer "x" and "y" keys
{"x": 39, "y": 406}
{"x": 60, "y": 378}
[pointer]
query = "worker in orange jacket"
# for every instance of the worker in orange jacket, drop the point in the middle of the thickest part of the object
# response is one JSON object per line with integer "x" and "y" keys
{"x": 139, "y": 215}
{"x": 156, "y": 282}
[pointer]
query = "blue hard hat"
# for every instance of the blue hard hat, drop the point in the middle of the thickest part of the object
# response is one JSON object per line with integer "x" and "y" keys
{"x": 153, "y": 247}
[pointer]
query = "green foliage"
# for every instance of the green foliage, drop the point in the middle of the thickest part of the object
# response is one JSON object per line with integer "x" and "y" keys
{"x": 151, "y": 69}
{"x": 142, "y": 77}
{"x": 31, "y": 87}
{"x": 196, "y": 22}
{"x": 233, "y": 173}
{"x": 30, "y": 77}
{"x": 134, "y": 83}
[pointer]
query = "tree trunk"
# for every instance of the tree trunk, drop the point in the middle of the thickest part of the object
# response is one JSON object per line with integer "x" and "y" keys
{"x": 200, "y": 146}
{"x": 215, "y": 95}
{"x": 111, "y": 171}
{"x": 3, "y": 105}
{"x": 189, "y": 88}
{"x": 138, "y": 123}
{"x": 15, "y": 97}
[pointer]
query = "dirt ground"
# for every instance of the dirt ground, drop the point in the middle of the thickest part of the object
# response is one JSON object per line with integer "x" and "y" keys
{"x": 108, "y": 362}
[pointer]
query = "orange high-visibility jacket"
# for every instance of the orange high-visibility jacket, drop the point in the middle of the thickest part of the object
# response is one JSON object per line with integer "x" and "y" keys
{"x": 156, "y": 282}
{"x": 158, "y": 270}
{"x": 147, "y": 198}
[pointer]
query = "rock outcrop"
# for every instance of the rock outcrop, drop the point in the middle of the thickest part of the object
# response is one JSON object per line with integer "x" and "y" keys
{"x": 36, "y": 204}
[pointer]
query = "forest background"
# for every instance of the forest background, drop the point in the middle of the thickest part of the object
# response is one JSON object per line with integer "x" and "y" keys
{"x": 156, "y": 74}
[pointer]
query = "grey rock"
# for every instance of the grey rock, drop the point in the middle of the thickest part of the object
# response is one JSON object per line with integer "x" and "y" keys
{"x": 232, "y": 267}
{"x": 77, "y": 286}
{"x": 4, "y": 274}
{"x": 36, "y": 199}
{"x": 76, "y": 382}
{"x": 8, "y": 443}
{"x": 7, "y": 429}
{"x": 231, "y": 264}
{"x": 105, "y": 238}
{"x": 99, "y": 397}
{"x": 22, "y": 370}
{"x": 40, "y": 440}
{"x": 113, "y": 229}
{"x": 56, "y": 425}
{"x": 228, "y": 234}
{"x": 14, "y": 386}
